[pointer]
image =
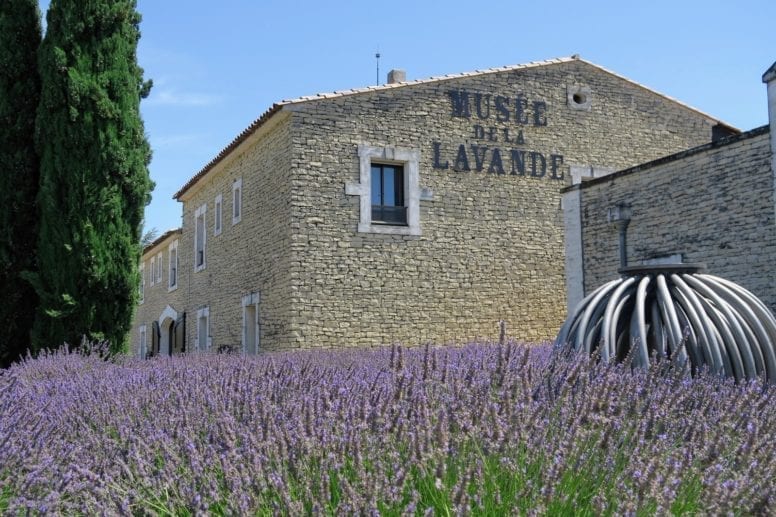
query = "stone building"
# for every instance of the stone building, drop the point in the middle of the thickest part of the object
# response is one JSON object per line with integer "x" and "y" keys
{"x": 414, "y": 211}
{"x": 714, "y": 203}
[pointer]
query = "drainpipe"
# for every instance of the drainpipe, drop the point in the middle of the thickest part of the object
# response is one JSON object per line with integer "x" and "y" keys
{"x": 620, "y": 215}
{"x": 769, "y": 78}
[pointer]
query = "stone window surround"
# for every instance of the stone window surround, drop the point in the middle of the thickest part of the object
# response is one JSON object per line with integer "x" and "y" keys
{"x": 172, "y": 247}
{"x": 247, "y": 300}
{"x": 237, "y": 201}
{"x": 151, "y": 274}
{"x": 410, "y": 160}
{"x": 218, "y": 215}
{"x": 203, "y": 312}
{"x": 200, "y": 212}
{"x": 141, "y": 294}
{"x": 158, "y": 271}
{"x": 579, "y": 97}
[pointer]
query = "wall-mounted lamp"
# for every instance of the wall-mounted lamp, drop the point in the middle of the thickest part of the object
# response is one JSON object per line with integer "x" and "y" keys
{"x": 620, "y": 215}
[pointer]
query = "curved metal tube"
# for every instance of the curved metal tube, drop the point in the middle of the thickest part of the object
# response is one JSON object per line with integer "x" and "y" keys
{"x": 641, "y": 297}
{"x": 756, "y": 317}
{"x": 615, "y": 301}
{"x": 740, "y": 341}
{"x": 565, "y": 330}
{"x": 713, "y": 345}
{"x": 706, "y": 320}
{"x": 588, "y": 312}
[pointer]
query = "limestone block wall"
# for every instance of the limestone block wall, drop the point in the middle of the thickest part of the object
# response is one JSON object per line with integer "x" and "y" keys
{"x": 712, "y": 205}
{"x": 158, "y": 296}
{"x": 251, "y": 256}
{"x": 491, "y": 246}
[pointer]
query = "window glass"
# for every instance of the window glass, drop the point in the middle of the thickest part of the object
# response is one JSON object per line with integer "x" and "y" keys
{"x": 237, "y": 201}
{"x": 388, "y": 194}
{"x": 142, "y": 283}
{"x": 173, "y": 274}
{"x": 219, "y": 209}
{"x": 202, "y": 331}
{"x": 376, "y": 185}
{"x": 200, "y": 236}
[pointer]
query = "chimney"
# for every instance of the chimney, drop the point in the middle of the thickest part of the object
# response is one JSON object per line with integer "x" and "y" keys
{"x": 397, "y": 76}
{"x": 769, "y": 78}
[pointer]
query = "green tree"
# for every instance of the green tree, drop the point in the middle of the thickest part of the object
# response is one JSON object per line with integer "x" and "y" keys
{"x": 20, "y": 35}
{"x": 94, "y": 172}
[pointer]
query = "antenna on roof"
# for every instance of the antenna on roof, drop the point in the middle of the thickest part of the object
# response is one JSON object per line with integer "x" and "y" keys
{"x": 377, "y": 57}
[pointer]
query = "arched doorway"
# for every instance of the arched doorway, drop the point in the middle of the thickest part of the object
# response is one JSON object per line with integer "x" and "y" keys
{"x": 172, "y": 332}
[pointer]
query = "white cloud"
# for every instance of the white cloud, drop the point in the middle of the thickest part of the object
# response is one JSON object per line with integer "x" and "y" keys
{"x": 175, "y": 140}
{"x": 172, "y": 97}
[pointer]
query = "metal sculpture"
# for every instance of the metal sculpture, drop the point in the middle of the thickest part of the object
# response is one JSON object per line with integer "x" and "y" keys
{"x": 676, "y": 311}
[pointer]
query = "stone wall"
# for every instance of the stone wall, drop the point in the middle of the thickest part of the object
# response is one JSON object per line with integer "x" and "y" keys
{"x": 491, "y": 246}
{"x": 158, "y": 296}
{"x": 252, "y": 256}
{"x": 713, "y": 204}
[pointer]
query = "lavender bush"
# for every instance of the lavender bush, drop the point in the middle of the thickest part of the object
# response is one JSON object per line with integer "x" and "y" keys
{"x": 483, "y": 429}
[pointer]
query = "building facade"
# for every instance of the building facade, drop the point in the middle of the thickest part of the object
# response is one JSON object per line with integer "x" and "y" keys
{"x": 416, "y": 211}
{"x": 714, "y": 204}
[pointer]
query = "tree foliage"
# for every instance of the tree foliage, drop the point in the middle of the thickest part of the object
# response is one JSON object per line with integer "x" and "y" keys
{"x": 20, "y": 35}
{"x": 94, "y": 175}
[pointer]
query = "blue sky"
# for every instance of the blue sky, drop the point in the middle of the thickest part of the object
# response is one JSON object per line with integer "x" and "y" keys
{"x": 217, "y": 66}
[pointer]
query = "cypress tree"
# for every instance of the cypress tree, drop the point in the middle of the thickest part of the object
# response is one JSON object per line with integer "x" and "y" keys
{"x": 20, "y": 35}
{"x": 94, "y": 172}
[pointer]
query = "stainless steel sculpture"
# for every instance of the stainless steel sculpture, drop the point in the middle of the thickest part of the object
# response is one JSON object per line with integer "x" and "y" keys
{"x": 677, "y": 312}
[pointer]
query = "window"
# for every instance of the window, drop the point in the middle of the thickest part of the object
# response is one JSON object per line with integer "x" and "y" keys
{"x": 250, "y": 333}
{"x": 389, "y": 190}
{"x": 199, "y": 238}
{"x": 237, "y": 201}
{"x": 203, "y": 340}
{"x": 217, "y": 224}
{"x": 143, "y": 348}
{"x": 388, "y": 194}
{"x": 172, "y": 273}
{"x": 159, "y": 268}
{"x": 141, "y": 293}
{"x": 151, "y": 273}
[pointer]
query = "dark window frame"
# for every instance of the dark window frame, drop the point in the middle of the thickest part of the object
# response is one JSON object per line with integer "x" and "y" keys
{"x": 389, "y": 214}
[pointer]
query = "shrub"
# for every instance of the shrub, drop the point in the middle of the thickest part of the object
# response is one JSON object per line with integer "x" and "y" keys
{"x": 482, "y": 429}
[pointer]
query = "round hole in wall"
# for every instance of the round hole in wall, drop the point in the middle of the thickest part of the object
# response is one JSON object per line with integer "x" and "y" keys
{"x": 579, "y": 98}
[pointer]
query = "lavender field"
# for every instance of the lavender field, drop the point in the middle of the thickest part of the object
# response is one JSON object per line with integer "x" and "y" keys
{"x": 483, "y": 429}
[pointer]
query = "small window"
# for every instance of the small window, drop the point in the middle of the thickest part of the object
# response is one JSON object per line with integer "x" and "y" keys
{"x": 159, "y": 268}
{"x": 218, "y": 217}
{"x": 141, "y": 289}
{"x": 237, "y": 201}
{"x": 151, "y": 272}
{"x": 388, "y": 194}
{"x": 172, "y": 273}
{"x": 203, "y": 339}
{"x": 143, "y": 346}
{"x": 199, "y": 238}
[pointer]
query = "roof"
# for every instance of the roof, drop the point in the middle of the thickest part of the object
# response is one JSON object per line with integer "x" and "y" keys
{"x": 671, "y": 157}
{"x": 161, "y": 239}
{"x": 256, "y": 124}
